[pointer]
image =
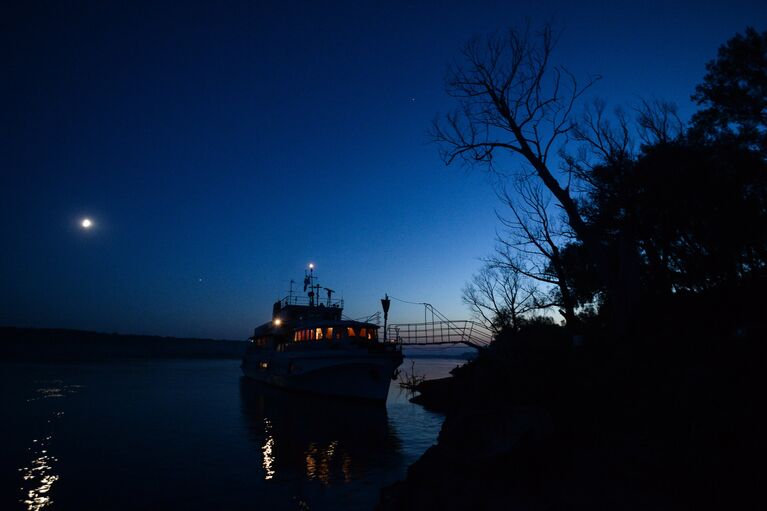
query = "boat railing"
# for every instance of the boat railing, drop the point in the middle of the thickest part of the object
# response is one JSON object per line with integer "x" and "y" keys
{"x": 306, "y": 301}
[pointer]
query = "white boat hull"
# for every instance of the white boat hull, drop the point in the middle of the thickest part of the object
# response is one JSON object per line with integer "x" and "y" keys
{"x": 331, "y": 373}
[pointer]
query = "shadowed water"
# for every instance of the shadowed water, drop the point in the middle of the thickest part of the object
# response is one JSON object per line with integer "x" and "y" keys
{"x": 196, "y": 435}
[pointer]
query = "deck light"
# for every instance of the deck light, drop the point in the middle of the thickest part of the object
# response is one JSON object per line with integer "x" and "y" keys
{"x": 277, "y": 321}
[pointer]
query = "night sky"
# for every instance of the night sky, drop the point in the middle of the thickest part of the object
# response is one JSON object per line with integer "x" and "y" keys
{"x": 219, "y": 147}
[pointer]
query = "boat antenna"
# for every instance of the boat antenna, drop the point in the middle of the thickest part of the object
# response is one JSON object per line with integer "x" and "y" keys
{"x": 309, "y": 283}
{"x": 290, "y": 293}
{"x": 330, "y": 294}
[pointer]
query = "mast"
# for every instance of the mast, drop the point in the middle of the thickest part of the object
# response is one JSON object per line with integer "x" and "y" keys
{"x": 309, "y": 283}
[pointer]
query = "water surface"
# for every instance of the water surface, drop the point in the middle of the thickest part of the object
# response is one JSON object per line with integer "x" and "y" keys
{"x": 196, "y": 435}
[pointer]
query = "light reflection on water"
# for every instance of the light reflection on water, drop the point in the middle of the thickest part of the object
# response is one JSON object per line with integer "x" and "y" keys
{"x": 318, "y": 463}
{"x": 39, "y": 477}
{"x": 268, "y": 450}
{"x": 330, "y": 441}
{"x": 58, "y": 390}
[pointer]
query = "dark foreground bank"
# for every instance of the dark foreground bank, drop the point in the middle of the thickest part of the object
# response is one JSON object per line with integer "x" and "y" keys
{"x": 52, "y": 344}
{"x": 667, "y": 422}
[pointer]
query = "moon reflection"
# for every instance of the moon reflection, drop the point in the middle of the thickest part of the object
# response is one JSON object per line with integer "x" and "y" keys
{"x": 39, "y": 475}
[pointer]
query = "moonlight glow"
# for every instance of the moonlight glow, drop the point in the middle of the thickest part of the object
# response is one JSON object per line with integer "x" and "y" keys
{"x": 86, "y": 223}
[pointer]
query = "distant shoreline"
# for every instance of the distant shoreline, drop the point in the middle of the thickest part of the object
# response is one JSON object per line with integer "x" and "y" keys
{"x": 59, "y": 344}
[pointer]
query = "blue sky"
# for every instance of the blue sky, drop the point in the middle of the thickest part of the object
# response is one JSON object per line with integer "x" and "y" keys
{"x": 221, "y": 147}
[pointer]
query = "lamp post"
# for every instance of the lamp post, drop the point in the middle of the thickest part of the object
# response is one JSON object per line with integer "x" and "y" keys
{"x": 385, "y": 302}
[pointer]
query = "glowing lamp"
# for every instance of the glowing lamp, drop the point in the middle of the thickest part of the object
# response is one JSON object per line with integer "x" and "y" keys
{"x": 277, "y": 321}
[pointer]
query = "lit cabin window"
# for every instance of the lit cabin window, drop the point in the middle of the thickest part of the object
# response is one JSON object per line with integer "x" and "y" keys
{"x": 263, "y": 365}
{"x": 350, "y": 332}
{"x": 329, "y": 334}
{"x": 295, "y": 336}
{"x": 363, "y": 332}
{"x": 319, "y": 333}
{"x": 311, "y": 335}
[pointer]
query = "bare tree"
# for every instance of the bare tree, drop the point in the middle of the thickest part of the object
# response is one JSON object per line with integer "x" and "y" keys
{"x": 658, "y": 121}
{"x": 611, "y": 139}
{"x": 499, "y": 297}
{"x": 512, "y": 100}
{"x": 530, "y": 245}
{"x": 603, "y": 137}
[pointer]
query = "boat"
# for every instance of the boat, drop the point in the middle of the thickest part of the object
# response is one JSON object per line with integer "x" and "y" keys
{"x": 308, "y": 346}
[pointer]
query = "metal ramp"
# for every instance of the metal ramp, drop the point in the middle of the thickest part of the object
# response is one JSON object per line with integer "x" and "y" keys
{"x": 437, "y": 329}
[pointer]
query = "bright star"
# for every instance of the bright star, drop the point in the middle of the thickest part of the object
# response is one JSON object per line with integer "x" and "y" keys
{"x": 86, "y": 223}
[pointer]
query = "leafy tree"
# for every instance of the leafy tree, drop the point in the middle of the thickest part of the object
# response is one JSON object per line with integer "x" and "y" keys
{"x": 701, "y": 214}
{"x": 734, "y": 92}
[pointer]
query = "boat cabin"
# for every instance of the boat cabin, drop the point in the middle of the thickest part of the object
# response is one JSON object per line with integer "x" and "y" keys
{"x": 346, "y": 330}
{"x": 306, "y": 319}
{"x": 341, "y": 331}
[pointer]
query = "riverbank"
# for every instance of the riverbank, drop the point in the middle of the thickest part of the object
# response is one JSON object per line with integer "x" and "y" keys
{"x": 53, "y": 344}
{"x": 534, "y": 423}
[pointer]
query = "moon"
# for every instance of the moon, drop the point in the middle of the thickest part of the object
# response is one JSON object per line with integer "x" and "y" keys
{"x": 86, "y": 223}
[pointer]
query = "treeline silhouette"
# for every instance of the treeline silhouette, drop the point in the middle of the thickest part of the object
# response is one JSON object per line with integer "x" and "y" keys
{"x": 59, "y": 344}
{"x": 652, "y": 244}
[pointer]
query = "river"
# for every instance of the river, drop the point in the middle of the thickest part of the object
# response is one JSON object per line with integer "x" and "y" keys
{"x": 194, "y": 434}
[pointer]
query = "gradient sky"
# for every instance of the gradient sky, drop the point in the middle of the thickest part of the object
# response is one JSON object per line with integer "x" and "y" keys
{"x": 219, "y": 147}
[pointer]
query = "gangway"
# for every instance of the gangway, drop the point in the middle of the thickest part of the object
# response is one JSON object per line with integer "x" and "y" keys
{"x": 437, "y": 329}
